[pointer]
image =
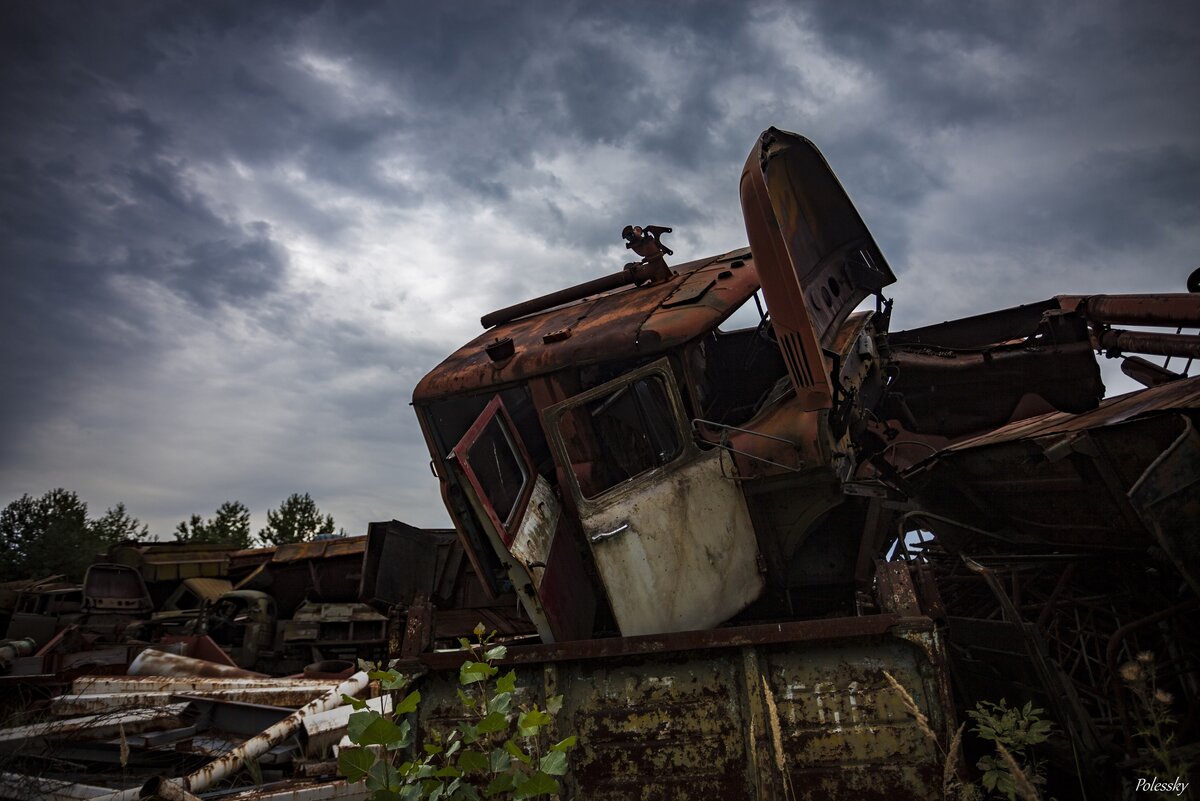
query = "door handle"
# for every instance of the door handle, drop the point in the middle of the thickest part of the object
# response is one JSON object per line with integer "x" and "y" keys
{"x": 600, "y": 536}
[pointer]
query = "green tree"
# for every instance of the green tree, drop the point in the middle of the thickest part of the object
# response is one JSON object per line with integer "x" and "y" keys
{"x": 53, "y": 534}
{"x": 230, "y": 526}
{"x": 296, "y": 520}
{"x": 116, "y": 525}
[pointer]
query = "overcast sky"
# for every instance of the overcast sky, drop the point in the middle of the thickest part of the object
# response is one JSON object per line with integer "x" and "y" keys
{"x": 235, "y": 235}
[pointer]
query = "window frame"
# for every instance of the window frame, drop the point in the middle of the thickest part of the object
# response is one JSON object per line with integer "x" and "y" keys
{"x": 496, "y": 410}
{"x": 687, "y": 446}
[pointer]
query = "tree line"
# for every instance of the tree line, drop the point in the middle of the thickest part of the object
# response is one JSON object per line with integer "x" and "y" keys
{"x": 54, "y": 534}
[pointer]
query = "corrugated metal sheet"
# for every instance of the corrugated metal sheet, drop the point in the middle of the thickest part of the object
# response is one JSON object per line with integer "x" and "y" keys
{"x": 1183, "y": 394}
{"x": 320, "y": 549}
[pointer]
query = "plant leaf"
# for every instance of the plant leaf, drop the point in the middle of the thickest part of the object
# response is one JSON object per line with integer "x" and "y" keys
{"x": 565, "y": 744}
{"x": 471, "y": 672}
{"x": 507, "y": 683}
{"x": 500, "y": 703}
{"x": 409, "y": 704}
{"x": 357, "y": 703}
{"x": 500, "y": 761}
{"x": 554, "y": 763}
{"x": 494, "y": 722}
{"x": 378, "y": 731}
{"x": 495, "y": 653}
{"x": 396, "y": 681}
{"x": 382, "y": 776}
{"x": 472, "y": 761}
{"x": 514, "y": 749}
{"x": 554, "y": 704}
{"x": 529, "y": 722}
{"x": 354, "y": 763}
{"x": 501, "y": 784}
{"x": 537, "y": 784}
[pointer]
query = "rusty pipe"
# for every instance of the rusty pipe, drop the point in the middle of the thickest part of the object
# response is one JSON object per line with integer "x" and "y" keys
{"x": 568, "y": 295}
{"x": 256, "y": 746}
{"x": 167, "y": 790}
{"x": 651, "y": 270}
{"x": 152, "y": 662}
{"x": 1154, "y": 344}
{"x": 1175, "y": 310}
{"x": 263, "y": 742}
{"x": 11, "y": 650}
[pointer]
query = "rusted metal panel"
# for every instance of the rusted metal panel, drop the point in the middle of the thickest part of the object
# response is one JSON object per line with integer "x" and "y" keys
{"x": 1183, "y": 394}
{"x": 326, "y": 791}
{"x": 622, "y": 324}
{"x": 22, "y": 787}
{"x": 320, "y": 549}
{"x": 115, "y": 589}
{"x": 106, "y": 724}
{"x": 791, "y": 631}
{"x": 203, "y": 589}
{"x": 846, "y": 732}
{"x": 172, "y": 561}
{"x": 965, "y": 376}
{"x": 895, "y": 588}
{"x": 655, "y": 723}
{"x": 283, "y": 694}
{"x": 402, "y": 561}
{"x": 95, "y": 685}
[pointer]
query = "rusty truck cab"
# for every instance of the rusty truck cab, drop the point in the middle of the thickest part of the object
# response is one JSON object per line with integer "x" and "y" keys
{"x": 548, "y": 428}
{"x": 622, "y": 461}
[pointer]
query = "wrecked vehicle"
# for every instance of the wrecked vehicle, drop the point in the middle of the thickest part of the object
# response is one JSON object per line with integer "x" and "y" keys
{"x": 631, "y": 466}
{"x": 779, "y": 558}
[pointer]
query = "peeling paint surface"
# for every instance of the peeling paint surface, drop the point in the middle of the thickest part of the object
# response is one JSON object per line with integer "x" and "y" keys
{"x": 688, "y": 559}
{"x": 535, "y": 535}
{"x": 668, "y": 726}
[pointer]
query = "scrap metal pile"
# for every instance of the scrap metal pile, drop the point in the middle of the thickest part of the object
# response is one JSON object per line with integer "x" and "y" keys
{"x": 168, "y": 662}
{"x": 680, "y": 490}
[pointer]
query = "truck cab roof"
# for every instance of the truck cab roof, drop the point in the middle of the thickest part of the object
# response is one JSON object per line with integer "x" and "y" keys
{"x": 623, "y": 323}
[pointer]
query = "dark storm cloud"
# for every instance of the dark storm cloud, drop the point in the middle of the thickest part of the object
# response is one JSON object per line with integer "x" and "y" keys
{"x": 206, "y": 192}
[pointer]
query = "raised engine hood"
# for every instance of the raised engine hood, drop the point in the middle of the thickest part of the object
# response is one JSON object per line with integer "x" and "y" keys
{"x": 816, "y": 259}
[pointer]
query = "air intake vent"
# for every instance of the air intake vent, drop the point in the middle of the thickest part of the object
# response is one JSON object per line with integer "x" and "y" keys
{"x": 797, "y": 362}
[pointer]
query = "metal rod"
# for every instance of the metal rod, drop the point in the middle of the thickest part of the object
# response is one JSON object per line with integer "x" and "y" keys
{"x": 743, "y": 431}
{"x": 1152, "y": 343}
{"x": 256, "y": 746}
{"x": 577, "y": 292}
{"x": 1169, "y": 309}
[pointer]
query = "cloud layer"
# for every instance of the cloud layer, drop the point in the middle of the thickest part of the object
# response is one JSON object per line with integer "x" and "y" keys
{"x": 236, "y": 235}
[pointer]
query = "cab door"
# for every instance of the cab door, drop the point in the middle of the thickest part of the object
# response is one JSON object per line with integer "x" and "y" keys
{"x": 520, "y": 514}
{"x": 667, "y": 523}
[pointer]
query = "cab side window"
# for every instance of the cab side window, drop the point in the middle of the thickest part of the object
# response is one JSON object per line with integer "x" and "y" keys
{"x": 618, "y": 436}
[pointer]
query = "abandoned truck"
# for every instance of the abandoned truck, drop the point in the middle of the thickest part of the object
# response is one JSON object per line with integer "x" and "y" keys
{"x": 695, "y": 516}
